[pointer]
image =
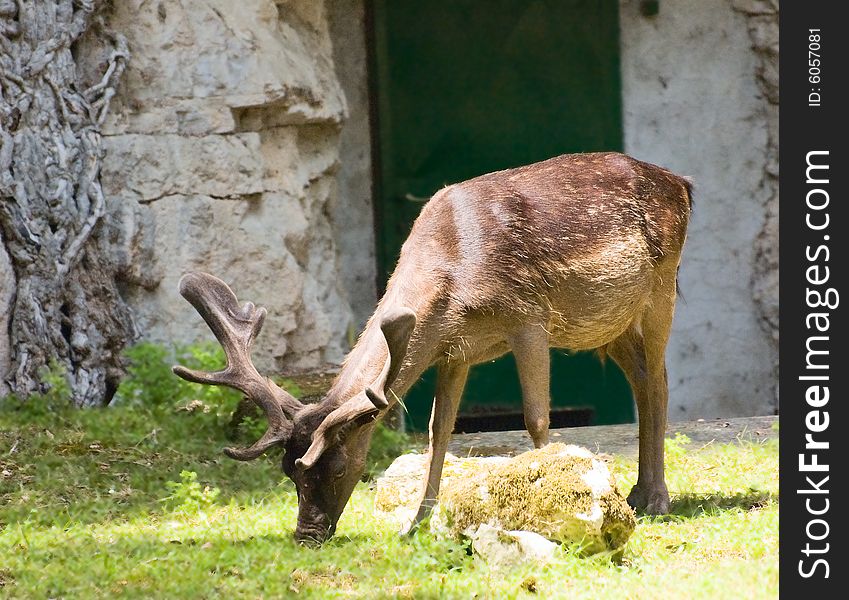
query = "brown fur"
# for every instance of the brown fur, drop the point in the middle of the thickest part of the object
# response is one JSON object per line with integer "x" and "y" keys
{"x": 575, "y": 244}
{"x": 580, "y": 251}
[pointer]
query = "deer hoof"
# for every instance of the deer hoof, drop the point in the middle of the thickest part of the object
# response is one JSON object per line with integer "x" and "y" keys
{"x": 649, "y": 501}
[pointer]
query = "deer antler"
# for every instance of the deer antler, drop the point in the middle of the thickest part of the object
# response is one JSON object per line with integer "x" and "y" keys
{"x": 235, "y": 328}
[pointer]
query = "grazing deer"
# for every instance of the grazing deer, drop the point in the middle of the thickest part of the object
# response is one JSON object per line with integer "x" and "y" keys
{"x": 580, "y": 251}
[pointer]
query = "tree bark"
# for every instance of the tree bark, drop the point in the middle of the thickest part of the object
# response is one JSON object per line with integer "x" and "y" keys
{"x": 66, "y": 309}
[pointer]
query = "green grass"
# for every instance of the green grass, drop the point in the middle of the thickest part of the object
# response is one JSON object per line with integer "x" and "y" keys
{"x": 94, "y": 505}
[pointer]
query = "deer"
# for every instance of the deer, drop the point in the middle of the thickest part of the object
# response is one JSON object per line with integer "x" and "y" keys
{"x": 580, "y": 252}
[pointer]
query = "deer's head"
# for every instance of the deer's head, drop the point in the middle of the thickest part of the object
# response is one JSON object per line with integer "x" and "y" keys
{"x": 325, "y": 444}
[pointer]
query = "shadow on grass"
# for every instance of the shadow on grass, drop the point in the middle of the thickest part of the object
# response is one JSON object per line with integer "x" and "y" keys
{"x": 87, "y": 490}
{"x": 691, "y": 506}
{"x": 98, "y": 466}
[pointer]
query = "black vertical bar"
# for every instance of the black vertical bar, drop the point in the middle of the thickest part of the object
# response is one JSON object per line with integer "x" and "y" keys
{"x": 813, "y": 229}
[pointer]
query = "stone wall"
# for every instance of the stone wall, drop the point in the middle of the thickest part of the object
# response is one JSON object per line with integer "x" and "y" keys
{"x": 762, "y": 22}
{"x": 222, "y": 151}
{"x": 352, "y": 212}
{"x": 699, "y": 100}
{"x": 240, "y": 145}
{"x": 231, "y": 148}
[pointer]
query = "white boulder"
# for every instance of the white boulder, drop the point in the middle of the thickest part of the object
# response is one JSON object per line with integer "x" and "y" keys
{"x": 562, "y": 493}
{"x": 501, "y": 548}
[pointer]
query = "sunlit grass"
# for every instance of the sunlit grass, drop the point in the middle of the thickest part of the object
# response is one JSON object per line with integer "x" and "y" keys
{"x": 86, "y": 512}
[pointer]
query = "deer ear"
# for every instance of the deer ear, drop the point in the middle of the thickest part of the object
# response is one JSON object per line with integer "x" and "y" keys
{"x": 397, "y": 326}
{"x": 359, "y": 409}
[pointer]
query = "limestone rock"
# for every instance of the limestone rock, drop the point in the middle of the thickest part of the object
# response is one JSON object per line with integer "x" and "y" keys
{"x": 399, "y": 488}
{"x": 148, "y": 167}
{"x": 184, "y": 117}
{"x": 221, "y": 148}
{"x": 253, "y": 53}
{"x": 245, "y": 242}
{"x": 564, "y": 493}
{"x": 756, "y": 7}
{"x": 502, "y": 548}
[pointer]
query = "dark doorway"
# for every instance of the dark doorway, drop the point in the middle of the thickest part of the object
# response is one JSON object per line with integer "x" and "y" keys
{"x": 465, "y": 87}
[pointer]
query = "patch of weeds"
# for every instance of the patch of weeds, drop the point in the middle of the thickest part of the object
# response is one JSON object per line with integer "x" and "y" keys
{"x": 55, "y": 379}
{"x": 251, "y": 428}
{"x": 289, "y": 385}
{"x": 150, "y": 382}
{"x": 188, "y": 496}
{"x": 438, "y": 554}
{"x": 323, "y": 577}
{"x": 149, "y": 379}
{"x": 529, "y": 584}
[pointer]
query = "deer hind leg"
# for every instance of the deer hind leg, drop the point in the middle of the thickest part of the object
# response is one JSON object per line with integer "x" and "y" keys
{"x": 450, "y": 381}
{"x": 640, "y": 352}
{"x": 530, "y": 349}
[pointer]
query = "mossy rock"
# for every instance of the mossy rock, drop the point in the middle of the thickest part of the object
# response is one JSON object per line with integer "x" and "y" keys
{"x": 564, "y": 493}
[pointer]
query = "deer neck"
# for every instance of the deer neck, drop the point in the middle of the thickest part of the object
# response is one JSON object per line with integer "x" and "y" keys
{"x": 364, "y": 363}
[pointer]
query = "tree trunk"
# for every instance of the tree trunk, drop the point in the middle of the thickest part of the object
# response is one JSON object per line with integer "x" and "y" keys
{"x": 66, "y": 309}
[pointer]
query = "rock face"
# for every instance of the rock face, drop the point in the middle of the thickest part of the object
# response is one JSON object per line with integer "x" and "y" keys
{"x": 221, "y": 152}
{"x": 562, "y": 493}
{"x": 762, "y": 22}
{"x": 723, "y": 80}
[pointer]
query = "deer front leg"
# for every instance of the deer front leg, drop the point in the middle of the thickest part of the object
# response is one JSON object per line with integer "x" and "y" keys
{"x": 530, "y": 349}
{"x": 450, "y": 381}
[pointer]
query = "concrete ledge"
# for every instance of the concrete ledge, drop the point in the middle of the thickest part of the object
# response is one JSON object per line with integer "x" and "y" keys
{"x": 615, "y": 439}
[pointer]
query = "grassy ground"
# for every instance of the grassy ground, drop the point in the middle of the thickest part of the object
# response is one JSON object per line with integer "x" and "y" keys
{"x": 93, "y": 505}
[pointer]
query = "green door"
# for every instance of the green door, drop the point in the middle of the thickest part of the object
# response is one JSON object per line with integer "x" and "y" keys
{"x": 465, "y": 87}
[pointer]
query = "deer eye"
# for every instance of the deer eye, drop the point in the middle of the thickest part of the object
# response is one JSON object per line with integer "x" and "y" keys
{"x": 337, "y": 467}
